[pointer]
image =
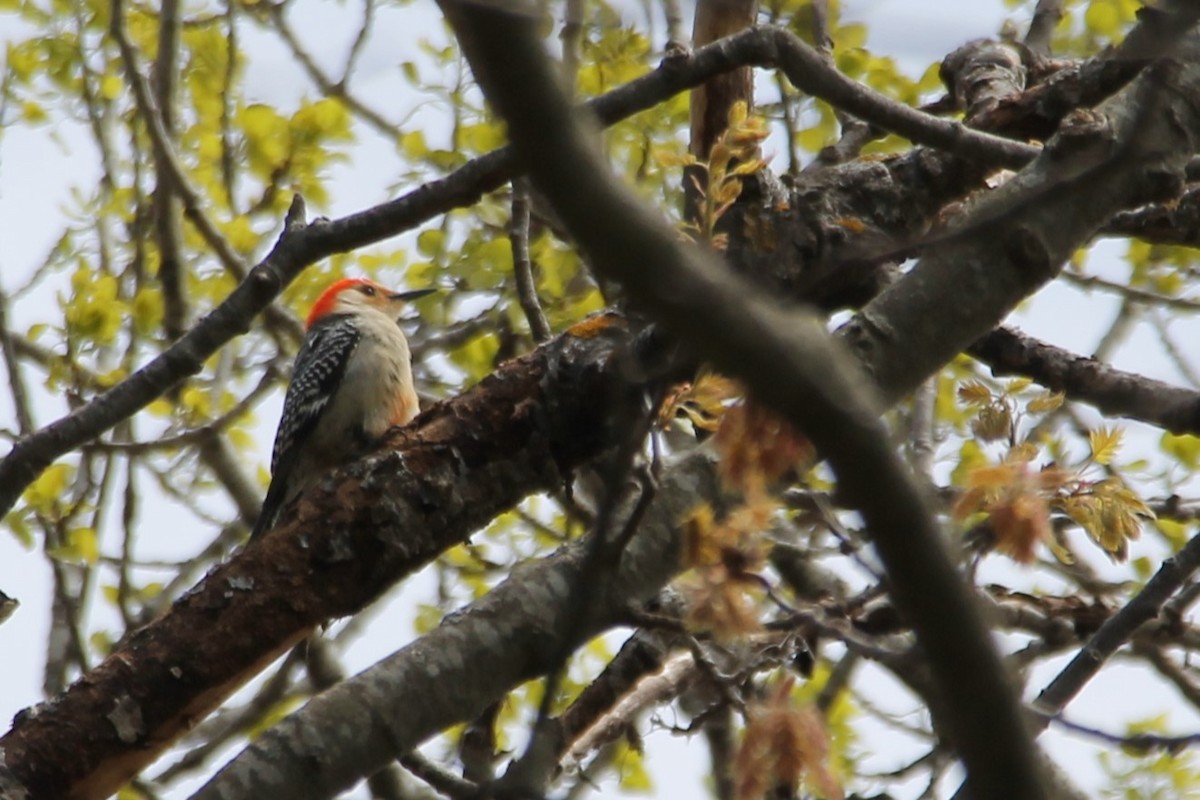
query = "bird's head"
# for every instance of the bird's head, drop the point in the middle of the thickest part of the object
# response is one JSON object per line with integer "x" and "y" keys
{"x": 351, "y": 295}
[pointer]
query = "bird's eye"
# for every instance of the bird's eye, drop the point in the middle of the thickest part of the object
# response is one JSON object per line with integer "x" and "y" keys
{"x": 368, "y": 290}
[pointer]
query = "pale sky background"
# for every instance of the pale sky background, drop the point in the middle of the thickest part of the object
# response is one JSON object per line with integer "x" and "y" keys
{"x": 37, "y": 171}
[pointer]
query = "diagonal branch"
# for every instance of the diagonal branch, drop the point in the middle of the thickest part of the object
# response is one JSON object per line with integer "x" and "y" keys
{"x": 786, "y": 360}
{"x": 509, "y": 636}
{"x": 1113, "y": 392}
{"x": 1117, "y": 630}
{"x": 460, "y": 464}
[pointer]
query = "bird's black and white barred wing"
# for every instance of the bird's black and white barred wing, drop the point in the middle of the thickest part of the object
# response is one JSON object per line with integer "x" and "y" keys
{"x": 316, "y": 375}
{"x": 318, "y": 371}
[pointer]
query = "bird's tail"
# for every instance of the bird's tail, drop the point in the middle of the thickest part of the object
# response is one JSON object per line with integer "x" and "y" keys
{"x": 272, "y": 505}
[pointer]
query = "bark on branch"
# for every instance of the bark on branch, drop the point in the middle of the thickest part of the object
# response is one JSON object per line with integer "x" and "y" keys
{"x": 346, "y": 541}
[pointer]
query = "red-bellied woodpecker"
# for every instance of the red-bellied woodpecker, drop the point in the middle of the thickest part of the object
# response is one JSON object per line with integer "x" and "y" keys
{"x": 352, "y": 381}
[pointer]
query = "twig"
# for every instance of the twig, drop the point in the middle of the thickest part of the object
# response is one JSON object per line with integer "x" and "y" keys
{"x": 193, "y": 206}
{"x": 217, "y": 731}
{"x": 1041, "y": 27}
{"x": 165, "y": 207}
{"x": 518, "y": 235}
{"x": 1185, "y": 684}
{"x": 16, "y": 382}
{"x": 194, "y": 435}
{"x": 819, "y": 9}
{"x": 275, "y": 13}
{"x": 571, "y": 36}
{"x": 1133, "y": 293}
{"x": 838, "y": 680}
{"x": 664, "y": 684}
{"x": 1161, "y": 321}
{"x": 228, "y": 156}
{"x": 1119, "y": 628}
{"x": 360, "y": 39}
{"x": 1141, "y": 742}
{"x": 437, "y": 776}
{"x": 921, "y": 429}
{"x": 676, "y": 38}
{"x": 8, "y": 605}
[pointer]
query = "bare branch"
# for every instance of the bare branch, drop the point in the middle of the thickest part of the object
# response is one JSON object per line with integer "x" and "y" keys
{"x": 168, "y": 160}
{"x": 518, "y": 235}
{"x": 1112, "y": 391}
{"x": 16, "y": 381}
{"x": 1118, "y": 629}
{"x": 786, "y": 360}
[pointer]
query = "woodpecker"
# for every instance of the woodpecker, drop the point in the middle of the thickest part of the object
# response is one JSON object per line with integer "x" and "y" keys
{"x": 351, "y": 382}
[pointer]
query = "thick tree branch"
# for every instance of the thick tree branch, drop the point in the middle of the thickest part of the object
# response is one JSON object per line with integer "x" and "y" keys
{"x": 350, "y": 538}
{"x": 1036, "y": 114}
{"x": 981, "y": 74}
{"x": 1012, "y": 240}
{"x": 1041, "y": 27}
{"x": 786, "y": 360}
{"x": 509, "y": 636}
{"x": 1176, "y": 221}
{"x": 711, "y": 102}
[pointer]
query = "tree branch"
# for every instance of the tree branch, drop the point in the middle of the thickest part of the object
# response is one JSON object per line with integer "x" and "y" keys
{"x": 1117, "y": 630}
{"x": 346, "y": 541}
{"x": 786, "y": 360}
{"x": 511, "y": 635}
{"x": 1011, "y": 241}
{"x": 1041, "y": 27}
{"x": 1112, "y": 391}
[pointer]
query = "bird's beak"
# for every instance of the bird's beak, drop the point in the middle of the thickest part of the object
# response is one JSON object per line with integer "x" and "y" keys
{"x": 411, "y": 295}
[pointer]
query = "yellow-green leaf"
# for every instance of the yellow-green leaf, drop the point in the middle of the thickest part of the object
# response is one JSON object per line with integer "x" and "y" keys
{"x": 1045, "y": 402}
{"x": 84, "y": 544}
{"x": 1105, "y": 442}
{"x": 111, "y": 87}
{"x": 1183, "y": 448}
{"x": 412, "y": 144}
{"x": 430, "y": 242}
{"x": 1103, "y": 18}
{"x": 49, "y": 487}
